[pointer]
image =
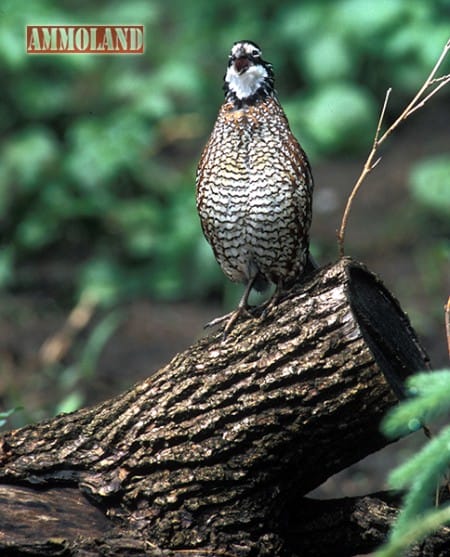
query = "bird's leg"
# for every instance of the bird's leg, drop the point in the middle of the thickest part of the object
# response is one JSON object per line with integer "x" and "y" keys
{"x": 241, "y": 309}
{"x": 273, "y": 300}
{"x": 233, "y": 316}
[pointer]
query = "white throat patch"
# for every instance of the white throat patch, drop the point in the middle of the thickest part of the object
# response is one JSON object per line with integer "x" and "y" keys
{"x": 245, "y": 85}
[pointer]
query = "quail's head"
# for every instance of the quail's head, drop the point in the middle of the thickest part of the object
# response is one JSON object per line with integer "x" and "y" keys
{"x": 248, "y": 76}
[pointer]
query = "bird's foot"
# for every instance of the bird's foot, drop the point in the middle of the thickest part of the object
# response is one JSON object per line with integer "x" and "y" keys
{"x": 271, "y": 302}
{"x": 229, "y": 319}
{"x": 232, "y": 317}
{"x": 268, "y": 306}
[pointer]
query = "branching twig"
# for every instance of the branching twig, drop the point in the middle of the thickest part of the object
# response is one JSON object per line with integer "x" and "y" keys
{"x": 368, "y": 167}
{"x": 418, "y": 102}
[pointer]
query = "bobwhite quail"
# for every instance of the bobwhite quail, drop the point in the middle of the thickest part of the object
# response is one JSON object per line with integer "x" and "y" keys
{"x": 254, "y": 183}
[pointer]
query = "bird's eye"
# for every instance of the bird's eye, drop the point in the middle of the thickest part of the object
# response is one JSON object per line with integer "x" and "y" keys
{"x": 255, "y": 52}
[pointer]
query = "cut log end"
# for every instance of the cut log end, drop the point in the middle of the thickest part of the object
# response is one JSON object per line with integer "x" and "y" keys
{"x": 385, "y": 328}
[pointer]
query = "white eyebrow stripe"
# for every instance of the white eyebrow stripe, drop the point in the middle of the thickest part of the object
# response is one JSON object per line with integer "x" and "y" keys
{"x": 247, "y": 47}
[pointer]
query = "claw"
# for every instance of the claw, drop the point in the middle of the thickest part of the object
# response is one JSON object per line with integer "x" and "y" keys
{"x": 230, "y": 318}
{"x": 272, "y": 301}
{"x": 233, "y": 316}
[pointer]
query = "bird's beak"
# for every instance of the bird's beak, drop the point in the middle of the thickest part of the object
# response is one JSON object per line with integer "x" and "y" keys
{"x": 241, "y": 64}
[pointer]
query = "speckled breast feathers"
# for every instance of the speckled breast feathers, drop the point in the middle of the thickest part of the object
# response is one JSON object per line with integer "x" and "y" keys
{"x": 254, "y": 184}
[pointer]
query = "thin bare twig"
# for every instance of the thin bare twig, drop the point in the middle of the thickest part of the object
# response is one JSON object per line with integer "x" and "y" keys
{"x": 439, "y": 79}
{"x": 417, "y": 102}
{"x": 56, "y": 347}
{"x": 368, "y": 167}
{"x": 433, "y": 92}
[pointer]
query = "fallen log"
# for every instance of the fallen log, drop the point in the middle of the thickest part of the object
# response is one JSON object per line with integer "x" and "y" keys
{"x": 215, "y": 453}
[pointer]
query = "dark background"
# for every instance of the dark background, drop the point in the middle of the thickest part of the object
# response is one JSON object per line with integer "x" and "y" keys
{"x": 97, "y": 169}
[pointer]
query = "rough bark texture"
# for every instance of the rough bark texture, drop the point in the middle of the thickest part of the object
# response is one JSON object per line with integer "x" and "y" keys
{"x": 216, "y": 451}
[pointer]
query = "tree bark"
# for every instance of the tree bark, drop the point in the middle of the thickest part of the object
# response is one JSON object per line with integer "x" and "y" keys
{"x": 216, "y": 451}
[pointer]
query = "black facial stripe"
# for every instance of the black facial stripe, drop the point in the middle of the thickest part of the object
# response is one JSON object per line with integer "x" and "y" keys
{"x": 256, "y": 60}
{"x": 267, "y": 86}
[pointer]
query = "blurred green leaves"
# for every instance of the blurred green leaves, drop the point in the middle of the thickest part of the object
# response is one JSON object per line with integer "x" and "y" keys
{"x": 5, "y": 415}
{"x": 430, "y": 184}
{"x": 36, "y": 146}
{"x": 348, "y": 112}
{"x": 98, "y": 153}
{"x": 327, "y": 58}
{"x": 101, "y": 148}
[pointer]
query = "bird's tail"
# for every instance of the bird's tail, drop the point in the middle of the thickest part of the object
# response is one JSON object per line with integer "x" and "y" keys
{"x": 311, "y": 265}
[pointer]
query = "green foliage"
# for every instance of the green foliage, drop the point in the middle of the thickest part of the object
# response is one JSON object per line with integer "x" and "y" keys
{"x": 422, "y": 473}
{"x": 430, "y": 184}
{"x": 5, "y": 415}
{"x": 348, "y": 112}
{"x": 417, "y": 530}
{"x": 68, "y": 379}
{"x": 428, "y": 400}
{"x": 98, "y": 152}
